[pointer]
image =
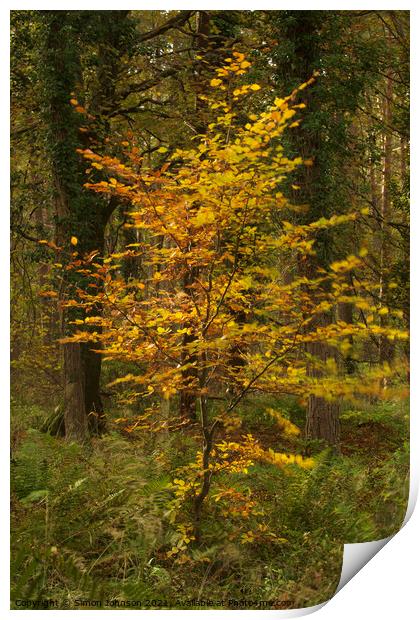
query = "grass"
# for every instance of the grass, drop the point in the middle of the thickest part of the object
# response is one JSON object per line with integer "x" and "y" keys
{"x": 92, "y": 523}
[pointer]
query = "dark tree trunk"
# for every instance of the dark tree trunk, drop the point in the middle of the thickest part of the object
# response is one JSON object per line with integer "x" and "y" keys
{"x": 75, "y": 418}
{"x": 322, "y": 420}
{"x": 301, "y": 51}
{"x": 93, "y": 402}
{"x": 78, "y": 213}
{"x": 188, "y": 398}
{"x": 236, "y": 357}
{"x": 386, "y": 348}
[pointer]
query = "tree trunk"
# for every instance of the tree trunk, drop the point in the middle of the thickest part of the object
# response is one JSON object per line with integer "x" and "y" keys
{"x": 75, "y": 418}
{"x": 386, "y": 350}
{"x": 302, "y": 33}
{"x": 188, "y": 393}
{"x": 345, "y": 313}
{"x": 78, "y": 212}
{"x": 322, "y": 420}
{"x": 92, "y": 363}
{"x": 322, "y": 416}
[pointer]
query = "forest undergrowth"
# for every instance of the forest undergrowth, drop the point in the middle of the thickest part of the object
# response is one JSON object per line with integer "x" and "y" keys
{"x": 92, "y": 524}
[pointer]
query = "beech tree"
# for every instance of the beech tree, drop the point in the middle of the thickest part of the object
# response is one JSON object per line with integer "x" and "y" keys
{"x": 214, "y": 211}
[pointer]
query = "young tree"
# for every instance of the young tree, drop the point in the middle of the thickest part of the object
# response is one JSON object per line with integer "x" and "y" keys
{"x": 229, "y": 245}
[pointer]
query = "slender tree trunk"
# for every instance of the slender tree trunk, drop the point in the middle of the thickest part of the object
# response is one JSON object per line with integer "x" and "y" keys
{"x": 188, "y": 394}
{"x": 207, "y": 437}
{"x": 385, "y": 347}
{"x": 345, "y": 313}
{"x": 406, "y": 250}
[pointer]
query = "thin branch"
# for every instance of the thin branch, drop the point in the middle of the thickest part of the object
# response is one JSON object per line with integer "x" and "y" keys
{"x": 173, "y": 22}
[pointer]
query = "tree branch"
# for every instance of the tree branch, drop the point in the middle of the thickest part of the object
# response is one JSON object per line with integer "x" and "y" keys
{"x": 173, "y": 22}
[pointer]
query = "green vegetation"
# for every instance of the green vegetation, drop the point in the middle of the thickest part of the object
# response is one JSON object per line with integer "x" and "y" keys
{"x": 92, "y": 522}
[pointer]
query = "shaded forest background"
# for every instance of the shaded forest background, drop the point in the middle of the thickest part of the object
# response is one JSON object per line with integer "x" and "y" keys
{"x": 108, "y": 499}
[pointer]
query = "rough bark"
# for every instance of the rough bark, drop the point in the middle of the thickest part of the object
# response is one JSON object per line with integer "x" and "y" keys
{"x": 322, "y": 420}
{"x": 92, "y": 363}
{"x": 75, "y": 418}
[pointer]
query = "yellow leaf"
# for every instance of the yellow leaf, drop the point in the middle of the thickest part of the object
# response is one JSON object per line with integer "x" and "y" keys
{"x": 48, "y": 294}
{"x": 215, "y": 82}
{"x": 255, "y": 87}
{"x": 204, "y": 216}
{"x": 74, "y": 241}
{"x": 162, "y": 149}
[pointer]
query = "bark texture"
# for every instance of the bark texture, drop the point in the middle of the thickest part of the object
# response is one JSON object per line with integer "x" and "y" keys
{"x": 75, "y": 418}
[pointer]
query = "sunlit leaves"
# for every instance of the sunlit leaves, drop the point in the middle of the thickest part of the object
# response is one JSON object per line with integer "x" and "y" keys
{"x": 216, "y": 311}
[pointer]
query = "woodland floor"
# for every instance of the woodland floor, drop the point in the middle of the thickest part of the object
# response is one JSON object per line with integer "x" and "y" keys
{"x": 91, "y": 524}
